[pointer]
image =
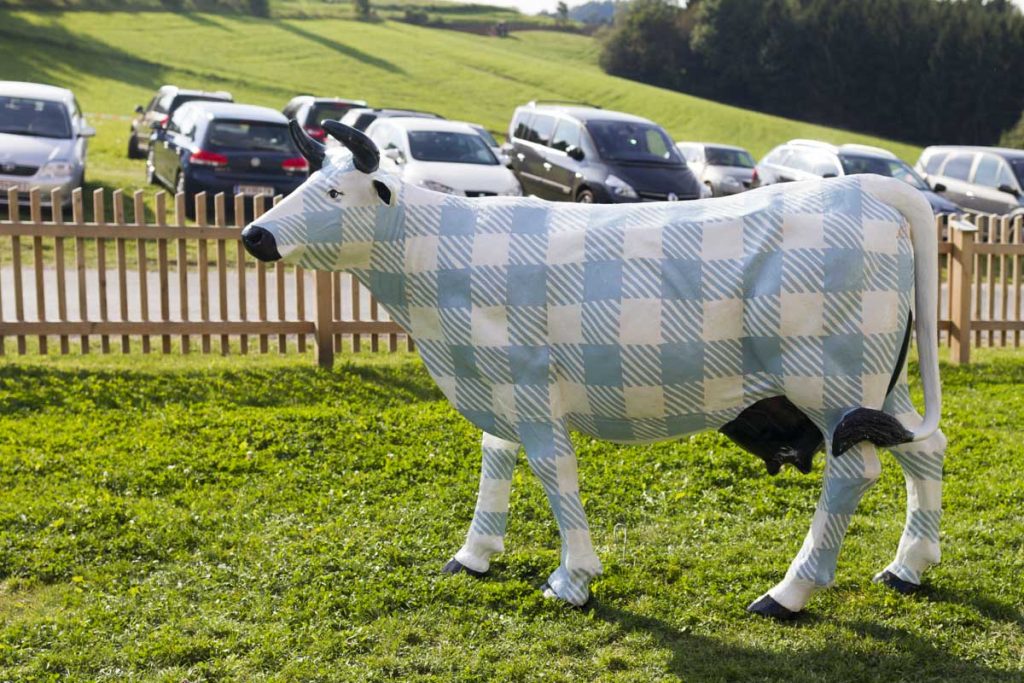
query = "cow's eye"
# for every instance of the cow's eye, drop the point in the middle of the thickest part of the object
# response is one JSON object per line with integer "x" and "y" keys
{"x": 334, "y": 194}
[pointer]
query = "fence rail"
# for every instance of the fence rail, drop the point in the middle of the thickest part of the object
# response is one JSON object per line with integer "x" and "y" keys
{"x": 150, "y": 283}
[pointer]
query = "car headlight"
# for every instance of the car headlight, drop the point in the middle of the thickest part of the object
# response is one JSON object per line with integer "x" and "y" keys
{"x": 55, "y": 169}
{"x": 438, "y": 187}
{"x": 514, "y": 191}
{"x": 620, "y": 187}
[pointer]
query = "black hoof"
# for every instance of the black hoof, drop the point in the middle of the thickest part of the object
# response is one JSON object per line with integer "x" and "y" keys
{"x": 456, "y": 567}
{"x": 897, "y": 584}
{"x": 767, "y": 607}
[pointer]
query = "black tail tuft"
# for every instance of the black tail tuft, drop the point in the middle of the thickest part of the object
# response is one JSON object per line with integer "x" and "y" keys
{"x": 865, "y": 424}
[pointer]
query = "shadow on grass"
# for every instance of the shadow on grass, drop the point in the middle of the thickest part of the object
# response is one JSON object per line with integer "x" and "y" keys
{"x": 904, "y": 655}
{"x": 341, "y": 48}
{"x": 29, "y": 388}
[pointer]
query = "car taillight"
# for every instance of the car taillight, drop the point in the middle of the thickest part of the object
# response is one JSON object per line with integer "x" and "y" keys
{"x": 753, "y": 176}
{"x": 204, "y": 158}
{"x": 295, "y": 164}
{"x": 317, "y": 133}
{"x": 162, "y": 121}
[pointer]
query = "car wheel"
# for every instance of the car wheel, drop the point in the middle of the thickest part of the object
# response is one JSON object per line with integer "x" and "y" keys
{"x": 150, "y": 169}
{"x": 133, "y": 148}
{"x": 585, "y": 196}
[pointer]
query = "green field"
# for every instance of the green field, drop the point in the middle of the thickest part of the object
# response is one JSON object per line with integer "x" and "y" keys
{"x": 114, "y": 61}
{"x": 256, "y": 519}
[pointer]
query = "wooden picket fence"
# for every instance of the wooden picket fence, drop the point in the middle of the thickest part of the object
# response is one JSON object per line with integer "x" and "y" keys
{"x": 151, "y": 283}
{"x": 111, "y": 284}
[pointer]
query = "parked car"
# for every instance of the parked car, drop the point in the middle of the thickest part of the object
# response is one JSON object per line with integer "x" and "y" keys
{"x": 444, "y": 156}
{"x": 309, "y": 111}
{"x": 159, "y": 111}
{"x": 983, "y": 179}
{"x": 361, "y": 118}
{"x": 224, "y": 147}
{"x": 579, "y": 153}
{"x": 723, "y": 169}
{"x": 806, "y": 159}
{"x": 43, "y": 140}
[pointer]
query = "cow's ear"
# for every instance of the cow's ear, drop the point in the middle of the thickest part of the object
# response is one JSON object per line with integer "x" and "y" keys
{"x": 386, "y": 191}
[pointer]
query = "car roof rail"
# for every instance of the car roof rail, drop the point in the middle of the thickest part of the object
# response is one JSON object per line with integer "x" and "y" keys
{"x": 571, "y": 103}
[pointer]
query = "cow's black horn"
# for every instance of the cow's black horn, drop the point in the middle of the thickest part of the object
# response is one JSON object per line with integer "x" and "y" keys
{"x": 312, "y": 150}
{"x": 364, "y": 152}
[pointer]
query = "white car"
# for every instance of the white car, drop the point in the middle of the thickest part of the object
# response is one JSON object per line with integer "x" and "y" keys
{"x": 42, "y": 140}
{"x": 444, "y": 156}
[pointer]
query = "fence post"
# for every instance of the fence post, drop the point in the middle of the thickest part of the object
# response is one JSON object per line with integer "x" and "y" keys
{"x": 962, "y": 264}
{"x": 323, "y": 319}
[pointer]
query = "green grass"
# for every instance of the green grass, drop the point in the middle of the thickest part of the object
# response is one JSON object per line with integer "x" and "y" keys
{"x": 115, "y": 60}
{"x": 256, "y": 519}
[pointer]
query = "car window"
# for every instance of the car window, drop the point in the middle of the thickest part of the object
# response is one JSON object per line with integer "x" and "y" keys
{"x": 934, "y": 161}
{"x": 326, "y": 110}
{"x": 986, "y": 170}
{"x": 163, "y": 105}
{"x": 894, "y": 168}
{"x": 958, "y": 166}
{"x": 541, "y": 128}
{"x": 633, "y": 141}
{"x": 567, "y": 134}
{"x": 486, "y": 135}
{"x": 255, "y": 136}
{"x": 690, "y": 152}
{"x": 1005, "y": 176}
{"x": 32, "y": 117}
{"x": 363, "y": 121}
{"x": 522, "y": 127}
{"x": 450, "y": 147}
{"x": 725, "y": 156}
{"x": 779, "y": 156}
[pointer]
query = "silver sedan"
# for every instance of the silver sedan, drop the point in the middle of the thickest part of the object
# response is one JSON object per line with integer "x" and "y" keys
{"x": 43, "y": 140}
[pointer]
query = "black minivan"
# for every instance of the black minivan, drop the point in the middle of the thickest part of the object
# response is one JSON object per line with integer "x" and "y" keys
{"x": 580, "y": 153}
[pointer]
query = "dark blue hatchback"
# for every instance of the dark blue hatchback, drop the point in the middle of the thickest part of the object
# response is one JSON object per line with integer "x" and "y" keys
{"x": 217, "y": 147}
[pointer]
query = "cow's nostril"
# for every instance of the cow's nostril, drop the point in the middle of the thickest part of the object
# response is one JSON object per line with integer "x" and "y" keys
{"x": 260, "y": 243}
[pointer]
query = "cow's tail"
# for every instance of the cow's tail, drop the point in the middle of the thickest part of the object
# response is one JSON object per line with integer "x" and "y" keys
{"x": 914, "y": 207}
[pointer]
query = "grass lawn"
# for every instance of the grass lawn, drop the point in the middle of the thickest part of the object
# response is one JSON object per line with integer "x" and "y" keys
{"x": 115, "y": 60}
{"x": 256, "y": 519}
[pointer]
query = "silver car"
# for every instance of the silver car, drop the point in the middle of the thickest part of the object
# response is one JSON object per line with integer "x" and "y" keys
{"x": 722, "y": 169}
{"x": 43, "y": 140}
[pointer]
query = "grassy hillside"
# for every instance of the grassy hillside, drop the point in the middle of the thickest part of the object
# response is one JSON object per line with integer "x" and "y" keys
{"x": 256, "y": 519}
{"x": 114, "y": 61}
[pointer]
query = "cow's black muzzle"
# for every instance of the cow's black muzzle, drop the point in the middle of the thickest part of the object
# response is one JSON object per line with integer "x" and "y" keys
{"x": 260, "y": 243}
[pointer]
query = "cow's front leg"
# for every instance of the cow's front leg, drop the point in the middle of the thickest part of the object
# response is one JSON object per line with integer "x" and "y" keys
{"x": 552, "y": 458}
{"x": 847, "y": 478}
{"x": 487, "y": 531}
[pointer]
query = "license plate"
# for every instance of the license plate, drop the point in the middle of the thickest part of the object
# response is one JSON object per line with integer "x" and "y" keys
{"x": 253, "y": 190}
{"x": 13, "y": 184}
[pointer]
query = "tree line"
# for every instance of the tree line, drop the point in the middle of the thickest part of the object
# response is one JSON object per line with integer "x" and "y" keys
{"x": 924, "y": 71}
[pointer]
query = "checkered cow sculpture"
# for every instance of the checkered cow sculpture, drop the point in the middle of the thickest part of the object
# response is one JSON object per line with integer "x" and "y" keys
{"x": 645, "y": 322}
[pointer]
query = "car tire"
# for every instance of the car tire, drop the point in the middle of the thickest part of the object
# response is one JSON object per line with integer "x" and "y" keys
{"x": 585, "y": 196}
{"x": 151, "y": 169}
{"x": 133, "y": 148}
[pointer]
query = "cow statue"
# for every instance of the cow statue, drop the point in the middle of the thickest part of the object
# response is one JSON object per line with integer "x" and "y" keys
{"x": 645, "y": 322}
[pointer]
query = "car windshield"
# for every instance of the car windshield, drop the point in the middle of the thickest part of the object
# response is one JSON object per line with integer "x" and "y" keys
{"x": 1018, "y": 170}
{"x": 894, "y": 168}
{"x": 253, "y": 136}
{"x": 454, "y": 148}
{"x": 725, "y": 156}
{"x": 328, "y": 110}
{"x": 39, "y": 118}
{"x": 633, "y": 141}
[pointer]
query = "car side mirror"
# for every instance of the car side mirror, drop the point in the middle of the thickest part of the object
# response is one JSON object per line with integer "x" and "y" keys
{"x": 1009, "y": 190}
{"x": 86, "y": 132}
{"x": 938, "y": 187}
{"x": 507, "y": 148}
{"x": 575, "y": 152}
{"x": 394, "y": 154}
{"x": 139, "y": 109}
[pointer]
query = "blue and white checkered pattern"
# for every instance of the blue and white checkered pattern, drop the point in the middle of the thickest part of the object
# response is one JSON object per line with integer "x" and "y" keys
{"x": 630, "y": 323}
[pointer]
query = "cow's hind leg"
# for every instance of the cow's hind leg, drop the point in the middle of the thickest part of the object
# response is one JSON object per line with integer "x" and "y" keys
{"x": 487, "y": 531}
{"x": 922, "y": 468}
{"x": 552, "y": 458}
{"x": 847, "y": 478}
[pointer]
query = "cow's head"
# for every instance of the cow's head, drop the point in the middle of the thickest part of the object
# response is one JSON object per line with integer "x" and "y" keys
{"x": 328, "y": 223}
